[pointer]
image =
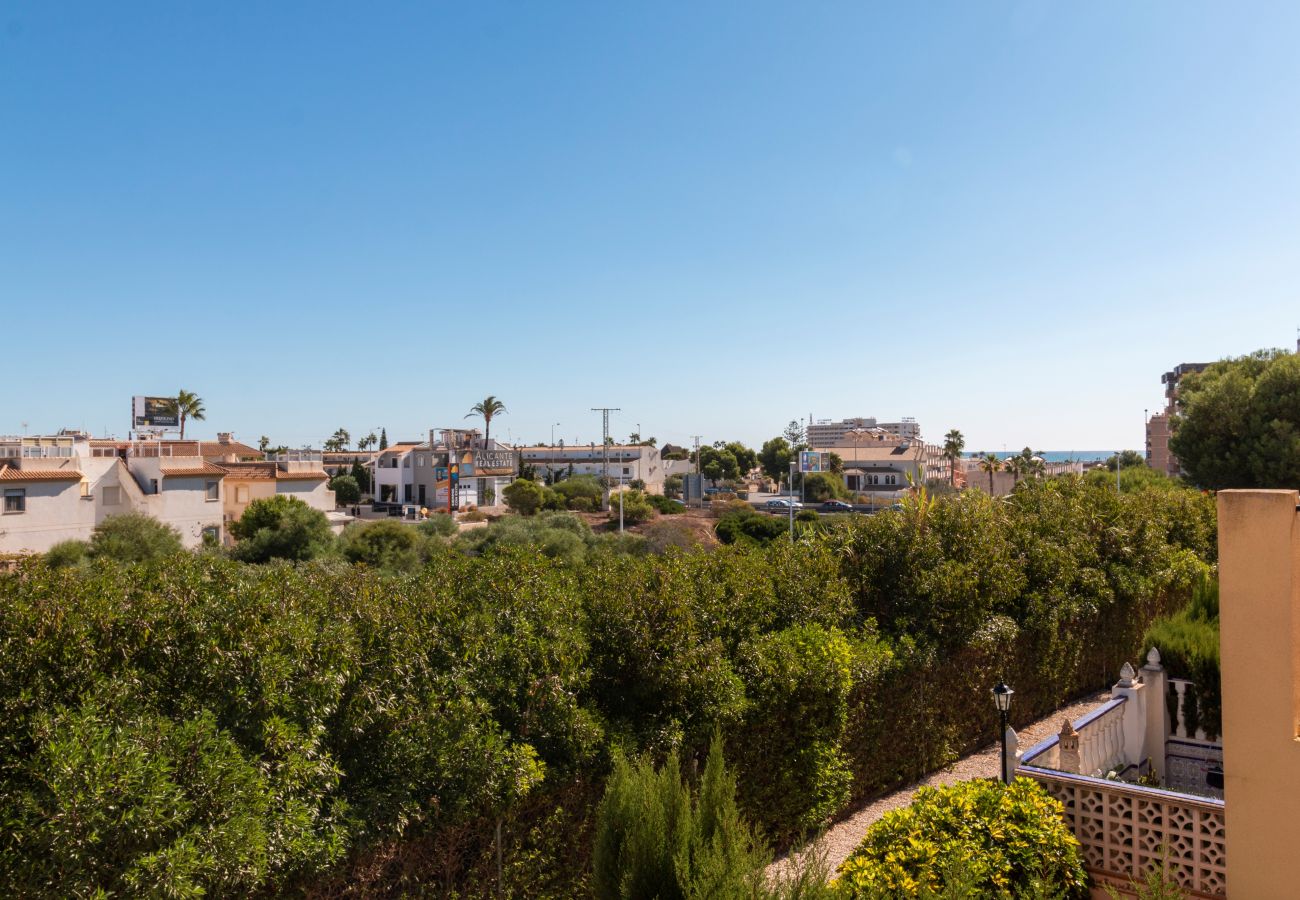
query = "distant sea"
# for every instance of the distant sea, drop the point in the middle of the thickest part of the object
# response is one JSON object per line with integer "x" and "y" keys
{"x": 1055, "y": 455}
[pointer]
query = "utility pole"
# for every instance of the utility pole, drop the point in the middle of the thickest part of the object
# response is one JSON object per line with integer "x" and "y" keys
{"x": 792, "y": 467}
{"x": 604, "y": 444}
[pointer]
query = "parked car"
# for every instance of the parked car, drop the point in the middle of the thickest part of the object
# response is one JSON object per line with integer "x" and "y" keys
{"x": 781, "y": 503}
{"x": 836, "y": 506}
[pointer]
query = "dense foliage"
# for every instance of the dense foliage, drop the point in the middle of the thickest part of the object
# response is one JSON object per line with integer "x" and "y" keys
{"x": 994, "y": 841}
{"x": 200, "y": 724}
{"x": 655, "y": 838}
{"x": 346, "y": 489}
{"x": 1188, "y": 642}
{"x": 281, "y": 527}
{"x": 1238, "y": 423}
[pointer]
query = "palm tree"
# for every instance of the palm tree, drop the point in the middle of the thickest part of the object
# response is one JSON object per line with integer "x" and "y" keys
{"x": 367, "y": 442}
{"x": 489, "y": 407}
{"x": 953, "y": 444}
{"x": 1016, "y": 466}
{"x": 188, "y": 406}
{"x": 338, "y": 441}
{"x": 990, "y": 463}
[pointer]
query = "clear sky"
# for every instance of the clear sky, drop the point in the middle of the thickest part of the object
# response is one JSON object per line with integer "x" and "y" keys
{"x": 1004, "y": 217}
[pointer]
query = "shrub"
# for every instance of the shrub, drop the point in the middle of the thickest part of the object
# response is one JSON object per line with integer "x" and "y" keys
{"x": 386, "y": 544}
{"x": 1188, "y": 642}
{"x": 134, "y": 537}
{"x": 663, "y": 534}
{"x": 67, "y": 553}
{"x": 346, "y": 490}
{"x": 633, "y": 505}
{"x": 523, "y": 496}
{"x": 664, "y": 504}
{"x": 438, "y": 524}
{"x": 797, "y": 687}
{"x": 821, "y": 486}
{"x": 281, "y": 527}
{"x": 673, "y": 486}
{"x": 998, "y": 841}
{"x": 751, "y": 528}
{"x": 580, "y": 488}
{"x": 654, "y": 839}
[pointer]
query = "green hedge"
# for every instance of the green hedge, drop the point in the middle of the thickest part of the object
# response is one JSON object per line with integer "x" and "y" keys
{"x": 368, "y": 730}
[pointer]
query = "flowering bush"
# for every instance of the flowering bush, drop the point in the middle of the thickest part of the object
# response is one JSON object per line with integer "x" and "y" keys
{"x": 989, "y": 840}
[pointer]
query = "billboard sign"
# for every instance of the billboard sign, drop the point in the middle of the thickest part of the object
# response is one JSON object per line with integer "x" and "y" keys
{"x": 811, "y": 461}
{"x": 154, "y": 412}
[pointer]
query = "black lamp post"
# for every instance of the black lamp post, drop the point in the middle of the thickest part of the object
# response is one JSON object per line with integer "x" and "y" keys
{"x": 1002, "y": 700}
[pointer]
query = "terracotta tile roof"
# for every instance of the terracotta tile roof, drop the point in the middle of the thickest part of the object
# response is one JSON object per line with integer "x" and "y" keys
{"x": 192, "y": 470}
{"x": 254, "y": 471}
{"x": 258, "y": 471}
{"x": 300, "y": 476}
{"x": 13, "y": 473}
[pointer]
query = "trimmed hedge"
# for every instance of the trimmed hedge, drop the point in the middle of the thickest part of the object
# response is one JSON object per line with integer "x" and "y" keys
{"x": 369, "y": 730}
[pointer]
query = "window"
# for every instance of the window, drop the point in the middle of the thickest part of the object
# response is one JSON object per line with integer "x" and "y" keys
{"x": 15, "y": 500}
{"x": 627, "y": 470}
{"x": 419, "y": 460}
{"x": 85, "y": 489}
{"x": 111, "y": 495}
{"x": 241, "y": 493}
{"x": 212, "y": 490}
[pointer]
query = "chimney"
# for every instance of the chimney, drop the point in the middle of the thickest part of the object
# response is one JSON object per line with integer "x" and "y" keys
{"x": 223, "y": 437}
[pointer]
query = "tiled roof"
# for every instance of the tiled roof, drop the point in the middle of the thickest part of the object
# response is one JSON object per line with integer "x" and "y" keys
{"x": 192, "y": 470}
{"x": 300, "y": 476}
{"x": 13, "y": 473}
{"x": 255, "y": 471}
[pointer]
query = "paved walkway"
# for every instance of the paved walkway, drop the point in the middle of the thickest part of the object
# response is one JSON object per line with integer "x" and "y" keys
{"x": 845, "y": 835}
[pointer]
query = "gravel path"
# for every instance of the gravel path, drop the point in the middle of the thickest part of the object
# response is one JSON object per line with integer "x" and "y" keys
{"x": 845, "y": 835}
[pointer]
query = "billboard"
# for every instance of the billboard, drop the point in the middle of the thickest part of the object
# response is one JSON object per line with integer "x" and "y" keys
{"x": 812, "y": 461}
{"x": 154, "y": 412}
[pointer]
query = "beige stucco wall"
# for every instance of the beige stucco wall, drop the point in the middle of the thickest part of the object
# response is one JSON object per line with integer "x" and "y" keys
{"x": 238, "y": 492}
{"x": 1259, "y": 561}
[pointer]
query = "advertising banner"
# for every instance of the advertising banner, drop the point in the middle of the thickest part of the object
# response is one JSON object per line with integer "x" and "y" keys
{"x": 154, "y": 412}
{"x": 811, "y": 461}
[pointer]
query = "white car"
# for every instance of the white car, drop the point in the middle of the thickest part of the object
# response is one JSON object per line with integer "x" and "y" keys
{"x": 783, "y": 503}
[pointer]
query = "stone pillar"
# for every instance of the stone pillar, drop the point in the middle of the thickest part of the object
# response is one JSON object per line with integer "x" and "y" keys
{"x": 1153, "y": 676}
{"x": 1134, "y": 719}
{"x": 1068, "y": 748}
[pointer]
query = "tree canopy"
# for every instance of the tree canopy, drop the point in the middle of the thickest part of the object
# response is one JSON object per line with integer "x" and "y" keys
{"x": 1238, "y": 423}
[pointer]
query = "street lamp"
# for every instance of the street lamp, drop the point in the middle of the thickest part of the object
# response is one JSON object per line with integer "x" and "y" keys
{"x": 1002, "y": 700}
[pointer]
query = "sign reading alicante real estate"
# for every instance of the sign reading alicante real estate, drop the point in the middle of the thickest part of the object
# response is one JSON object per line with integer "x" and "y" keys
{"x": 494, "y": 462}
{"x": 154, "y": 412}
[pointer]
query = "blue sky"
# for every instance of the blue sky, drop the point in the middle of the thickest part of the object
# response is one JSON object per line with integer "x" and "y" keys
{"x": 1004, "y": 217}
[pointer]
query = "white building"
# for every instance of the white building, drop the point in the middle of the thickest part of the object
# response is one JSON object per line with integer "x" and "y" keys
{"x": 825, "y": 433}
{"x": 59, "y": 488}
{"x": 55, "y": 490}
{"x": 627, "y": 462}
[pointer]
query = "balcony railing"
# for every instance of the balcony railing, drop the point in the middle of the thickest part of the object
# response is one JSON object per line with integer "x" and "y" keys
{"x": 1124, "y": 830}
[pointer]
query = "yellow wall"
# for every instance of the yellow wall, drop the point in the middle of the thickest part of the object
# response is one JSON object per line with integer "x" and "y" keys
{"x": 1259, "y": 561}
